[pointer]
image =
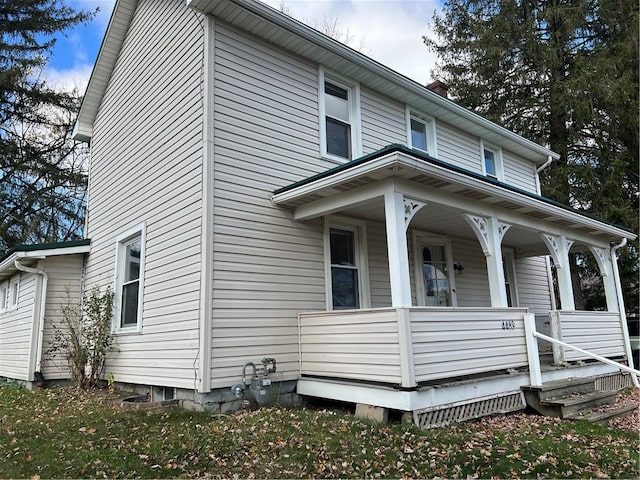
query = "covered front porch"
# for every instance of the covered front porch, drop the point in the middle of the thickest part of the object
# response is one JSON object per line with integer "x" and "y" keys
{"x": 466, "y": 282}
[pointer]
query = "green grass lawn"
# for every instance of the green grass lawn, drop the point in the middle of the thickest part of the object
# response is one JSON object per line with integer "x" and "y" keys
{"x": 63, "y": 433}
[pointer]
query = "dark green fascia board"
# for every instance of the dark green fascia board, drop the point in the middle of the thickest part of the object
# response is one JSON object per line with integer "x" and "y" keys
{"x": 396, "y": 147}
{"x": 46, "y": 246}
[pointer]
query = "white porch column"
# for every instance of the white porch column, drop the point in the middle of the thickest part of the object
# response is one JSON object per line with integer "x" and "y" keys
{"x": 608, "y": 280}
{"x": 559, "y": 249}
{"x": 397, "y": 250}
{"x": 490, "y": 232}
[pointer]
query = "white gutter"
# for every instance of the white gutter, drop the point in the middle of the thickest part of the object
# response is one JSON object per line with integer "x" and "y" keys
{"x": 43, "y": 302}
{"x": 538, "y": 170}
{"x": 623, "y": 315}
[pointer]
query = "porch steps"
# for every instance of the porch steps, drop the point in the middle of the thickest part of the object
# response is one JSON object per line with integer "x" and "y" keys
{"x": 574, "y": 398}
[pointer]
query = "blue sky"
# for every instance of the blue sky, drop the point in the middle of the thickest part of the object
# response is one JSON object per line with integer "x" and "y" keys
{"x": 390, "y": 31}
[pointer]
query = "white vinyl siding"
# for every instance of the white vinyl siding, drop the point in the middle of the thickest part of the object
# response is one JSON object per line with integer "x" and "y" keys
{"x": 382, "y": 121}
{"x": 532, "y": 276}
{"x": 458, "y": 148}
{"x": 519, "y": 172}
{"x": 267, "y": 267}
{"x": 16, "y": 330}
{"x": 146, "y": 166}
{"x": 379, "y": 286}
{"x": 63, "y": 286}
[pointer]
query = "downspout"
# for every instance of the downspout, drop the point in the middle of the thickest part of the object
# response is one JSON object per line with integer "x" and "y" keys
{"x": 538, "y": 170}
{"x": 623, "y": 315}
{"x": 43, "y": 303}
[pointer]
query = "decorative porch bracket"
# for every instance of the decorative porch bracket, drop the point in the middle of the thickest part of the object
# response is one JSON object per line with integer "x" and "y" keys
{"x": 559, "y": 250}
{"x": 604, "y": 264}
{"x": 490, "y": 232}
{"x": 411, "y": 207}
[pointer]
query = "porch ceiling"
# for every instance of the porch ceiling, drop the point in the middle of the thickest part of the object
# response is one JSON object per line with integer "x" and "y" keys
{"x": 357, "y": 189}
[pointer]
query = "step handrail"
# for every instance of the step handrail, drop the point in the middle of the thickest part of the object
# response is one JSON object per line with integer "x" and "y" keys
{"x": 624, "y": 368}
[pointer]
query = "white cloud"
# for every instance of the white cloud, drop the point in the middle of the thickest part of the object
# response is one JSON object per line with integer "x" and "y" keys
{"x": 68, "y": 80}
{"x": 81, "y": 47}
{"x": 392, "y": 30}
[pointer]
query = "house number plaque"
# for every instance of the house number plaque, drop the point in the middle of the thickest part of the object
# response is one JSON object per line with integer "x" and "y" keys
{"x": 508, "y": 325}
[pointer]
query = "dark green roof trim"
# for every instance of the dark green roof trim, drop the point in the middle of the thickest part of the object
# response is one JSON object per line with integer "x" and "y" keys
{"x": 394, "y": 148}
{"x": 46, "y": 246}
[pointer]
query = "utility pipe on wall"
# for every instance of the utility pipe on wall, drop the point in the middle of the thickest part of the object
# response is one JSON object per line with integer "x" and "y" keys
{"x": 43, "y": 303}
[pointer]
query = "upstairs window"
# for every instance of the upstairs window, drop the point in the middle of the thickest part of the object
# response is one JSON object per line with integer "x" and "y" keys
{"x": 339, "y": 127}
{"x": 337, "y": 118}
{"x": 421, "y": 133}
{"x": 491, "y": 162}
{"x": 129, "y": 275}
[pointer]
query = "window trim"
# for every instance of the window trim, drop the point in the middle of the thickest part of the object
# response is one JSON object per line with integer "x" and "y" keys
{"x": 497, "y": 158}
{"x": 418, "y": 237}
{"x": 359, "y": 227}
{"x": 430, "y": 133}
{"x": 353, "y": 89}
{"x": 122, "y": 241}
{"x": 11, "y": 303}
{"x": 4, "y": 296}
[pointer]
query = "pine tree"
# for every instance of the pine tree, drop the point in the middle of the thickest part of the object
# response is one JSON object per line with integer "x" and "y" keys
{"x": 42, "y": 180}
{"x": 563, "y": 73}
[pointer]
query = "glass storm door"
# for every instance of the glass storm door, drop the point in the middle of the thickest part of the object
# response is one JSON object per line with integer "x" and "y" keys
{"x": 436, "y": 275}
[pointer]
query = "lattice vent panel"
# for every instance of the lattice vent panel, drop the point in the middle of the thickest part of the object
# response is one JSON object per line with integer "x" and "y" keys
{"x": 440, "y": 416}
{"x": 614, "y": 382}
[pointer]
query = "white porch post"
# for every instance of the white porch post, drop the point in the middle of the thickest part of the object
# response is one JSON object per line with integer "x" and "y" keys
{"x": 559, "y": 249}
{"x": 608, "y": 279}
{"x": 397, "y": 249}
{"x": 490, "y": 232}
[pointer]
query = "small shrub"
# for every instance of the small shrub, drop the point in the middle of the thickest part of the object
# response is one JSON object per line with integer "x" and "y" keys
{"x": 83, "y": 337}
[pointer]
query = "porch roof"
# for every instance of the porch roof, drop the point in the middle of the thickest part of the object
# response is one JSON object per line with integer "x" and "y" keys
{"x": 39, "y": 251}
{"x": 421, "y": 177}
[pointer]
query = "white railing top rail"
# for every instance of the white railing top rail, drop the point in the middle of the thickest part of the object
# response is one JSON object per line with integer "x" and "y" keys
{"x": 624, "y": 368}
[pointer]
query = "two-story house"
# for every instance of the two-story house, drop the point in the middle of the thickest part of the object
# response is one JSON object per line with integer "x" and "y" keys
{"x": 258, "y": 189}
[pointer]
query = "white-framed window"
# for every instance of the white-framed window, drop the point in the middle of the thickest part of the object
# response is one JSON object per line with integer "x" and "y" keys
{"x": 421, "y": 132}
{"x": 340, "y": 136}
{"x": 510, "y": 285}
{"x": 433, "y": 263}
{"x": 491, "y": 158}
{"x": 129, "y": 281}
{"x": 346, "y": 263}
{"x": 14, "y": 292}
{"x": 4, "y": 296}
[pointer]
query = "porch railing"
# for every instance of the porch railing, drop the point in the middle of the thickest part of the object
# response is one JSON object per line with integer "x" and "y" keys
{"x": 407, "y": 346}
{"x": 536, "y": 378}
{"x": 599, "y": 333}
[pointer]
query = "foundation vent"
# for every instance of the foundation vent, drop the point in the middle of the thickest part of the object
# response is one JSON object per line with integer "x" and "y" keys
{"x": 459, "y": 412}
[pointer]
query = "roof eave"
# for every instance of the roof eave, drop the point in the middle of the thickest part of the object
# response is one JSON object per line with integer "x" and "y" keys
{"x": 102, "y": 69}
{"x": 336, "y": 48}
